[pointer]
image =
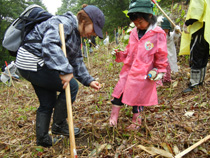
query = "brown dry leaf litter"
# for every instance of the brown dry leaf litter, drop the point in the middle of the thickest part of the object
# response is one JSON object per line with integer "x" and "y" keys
{"x": 179, "y": 121}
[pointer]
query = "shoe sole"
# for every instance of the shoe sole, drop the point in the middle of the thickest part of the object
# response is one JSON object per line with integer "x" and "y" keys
{"x": 57, "y": 133}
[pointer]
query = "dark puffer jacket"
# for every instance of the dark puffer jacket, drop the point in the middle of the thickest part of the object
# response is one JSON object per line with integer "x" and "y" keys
{"x": 50, "y": 48}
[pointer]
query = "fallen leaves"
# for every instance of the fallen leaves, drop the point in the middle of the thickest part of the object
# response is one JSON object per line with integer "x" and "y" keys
{"x": 156, "y": 151}
{"x": 179, "y": 121}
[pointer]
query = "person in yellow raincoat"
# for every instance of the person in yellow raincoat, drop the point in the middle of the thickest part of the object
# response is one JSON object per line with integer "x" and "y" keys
{"x": 195, "y": 40}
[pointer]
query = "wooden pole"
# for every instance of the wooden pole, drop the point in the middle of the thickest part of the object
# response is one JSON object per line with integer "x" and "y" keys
{"x": 192, "y": 147}
{"x": 87, "y": 51}
{"x": 165, "y": 14}
{"x": 68, "y": 102}
{"x": 10, "y": 76}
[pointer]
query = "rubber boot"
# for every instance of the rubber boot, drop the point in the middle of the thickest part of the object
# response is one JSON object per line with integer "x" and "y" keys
{"x": 136, "y": 122}
{"x": 196, "y": 79}
{"x": 114, "y": 115}
{"x": 42, "y": 128}
{"x": 189, "y": 89}
{"x": 60, "y": 125}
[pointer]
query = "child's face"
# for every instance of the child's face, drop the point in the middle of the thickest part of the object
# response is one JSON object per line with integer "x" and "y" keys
{"x": 166, "y": 31}
{"x": 141, "y": 24}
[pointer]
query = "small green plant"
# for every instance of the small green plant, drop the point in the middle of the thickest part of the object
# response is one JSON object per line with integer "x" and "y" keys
{"x": 196, "y": 98}
{"x": 178, "y": 8}
{"x": 100, "y": 102}
{"x": 110, "y": 92}
{"x": 23, "y": 117}
{"x": 187, "y": 58}
{"x": 40, "y": 149}
{"x": 126, "y": 135}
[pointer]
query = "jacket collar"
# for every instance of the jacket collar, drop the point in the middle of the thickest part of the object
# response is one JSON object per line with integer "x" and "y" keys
{"x": 151, "y": 27}
{"x": 71, "y": 16}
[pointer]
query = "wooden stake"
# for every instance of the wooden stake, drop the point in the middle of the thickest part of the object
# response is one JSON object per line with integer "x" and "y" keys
{"x": 192, "y": 147}
{"x": 10, "y": 76}
{"x": 165, "y": 14}
{"x": 82, "y": 47}
{"x": 87, "y": 51}
{"x": 68, "y": 102}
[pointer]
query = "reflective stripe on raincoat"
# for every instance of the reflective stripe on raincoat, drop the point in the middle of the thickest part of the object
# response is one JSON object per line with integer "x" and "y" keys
{"x": 200, "y": 10}
{"x": 139, "y": 57}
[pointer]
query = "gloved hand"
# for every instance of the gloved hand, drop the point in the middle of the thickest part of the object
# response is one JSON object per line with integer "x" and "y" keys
{"x": 185, "y": 29}
{"x": 159, "y": 76}
{"x": 177, "y": 29}
{"x": 114, "y": 51}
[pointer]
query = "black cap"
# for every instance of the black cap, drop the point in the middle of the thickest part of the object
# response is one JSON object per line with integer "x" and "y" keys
{"x": 97, "y": 17}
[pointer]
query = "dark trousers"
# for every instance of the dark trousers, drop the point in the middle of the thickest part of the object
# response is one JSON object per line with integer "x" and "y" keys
{"x": 118, "y": 101}
{"x": 46, "y": 84}
{"x": 199, "y": 50}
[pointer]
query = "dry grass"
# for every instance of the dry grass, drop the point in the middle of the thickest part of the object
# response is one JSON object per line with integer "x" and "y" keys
{"x": 165, "y": 126}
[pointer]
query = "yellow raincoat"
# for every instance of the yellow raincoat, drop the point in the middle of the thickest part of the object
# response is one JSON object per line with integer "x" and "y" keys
{"x": 200, "y": 10}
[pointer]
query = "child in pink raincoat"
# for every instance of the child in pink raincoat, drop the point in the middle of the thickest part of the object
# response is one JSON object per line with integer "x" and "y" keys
{"x": 146, "y": 50}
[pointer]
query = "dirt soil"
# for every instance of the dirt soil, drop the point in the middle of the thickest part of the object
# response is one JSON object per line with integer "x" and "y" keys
{"x": 179, "y": 121}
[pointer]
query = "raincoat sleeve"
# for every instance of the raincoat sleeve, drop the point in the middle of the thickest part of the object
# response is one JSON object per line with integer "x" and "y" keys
{"x": 196, "y": 10}
{"x": 55, "y": 58}
{"x": 80, "y": 71}
{"x": 51, "y": 48}
{"x": 121, "y": 56}
{"x": 161, "y": 60}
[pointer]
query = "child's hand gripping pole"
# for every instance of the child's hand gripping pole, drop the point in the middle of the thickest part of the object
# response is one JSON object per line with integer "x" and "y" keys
{"x": 165, "y": 14}
{"x": 68, "y": 102}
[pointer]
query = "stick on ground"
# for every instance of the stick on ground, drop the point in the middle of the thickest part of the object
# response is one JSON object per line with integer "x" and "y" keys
{"x": 192, "y": 147}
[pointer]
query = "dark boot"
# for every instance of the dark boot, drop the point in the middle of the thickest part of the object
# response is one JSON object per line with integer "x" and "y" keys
{"x": 60, "y": 125}
{"x": 190, "y": 87}
{"x": 196, "y": 79}
{"x": 42, "y": 127}
{"x": 63, "y": 129}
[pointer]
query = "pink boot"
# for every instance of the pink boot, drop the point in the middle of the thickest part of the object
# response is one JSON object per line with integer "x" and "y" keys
{"x": 114, "y": 115}
{"x": 136, "y": 122}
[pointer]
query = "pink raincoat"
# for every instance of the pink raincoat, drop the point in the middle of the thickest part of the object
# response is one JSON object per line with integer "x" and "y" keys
{"x": 139, "y": 57}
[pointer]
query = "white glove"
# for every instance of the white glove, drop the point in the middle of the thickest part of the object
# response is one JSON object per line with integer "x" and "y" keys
{"x": 160, "y": 19}
{"x": 159, "y": 76}
{"x": 113, "y": 52}
{"x": 177, "y": 28}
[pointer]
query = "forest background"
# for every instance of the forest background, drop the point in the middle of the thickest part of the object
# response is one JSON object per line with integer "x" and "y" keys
{"x": 113, "y": 11}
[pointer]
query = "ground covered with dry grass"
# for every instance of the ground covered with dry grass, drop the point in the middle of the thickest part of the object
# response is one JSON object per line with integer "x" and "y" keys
{"x": 179, "y": 121}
